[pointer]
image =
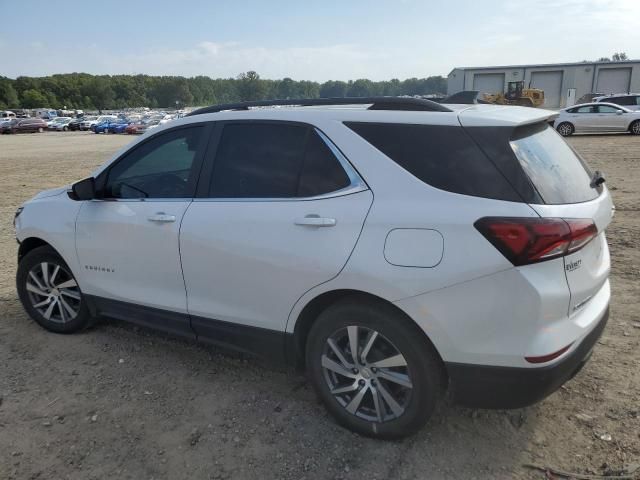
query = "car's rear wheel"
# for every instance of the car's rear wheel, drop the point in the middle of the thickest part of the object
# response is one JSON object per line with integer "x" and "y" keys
{"x": 634, "y": 128}
{"x": 374, "y": 371}
{"x": 49, "y": 292}
{"x": 565, "y": 129}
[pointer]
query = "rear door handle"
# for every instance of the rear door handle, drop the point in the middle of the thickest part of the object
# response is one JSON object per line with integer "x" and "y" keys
{"x": 162, "y": 217}
{"x": 316, "y": 221}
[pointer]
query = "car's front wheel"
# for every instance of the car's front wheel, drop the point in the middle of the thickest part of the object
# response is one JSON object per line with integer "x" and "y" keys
{"x": 49, "y": 292}
{"x": 375, "y": 371}
{"x": 634, "y": 128}
{"x": 565, "y": 129}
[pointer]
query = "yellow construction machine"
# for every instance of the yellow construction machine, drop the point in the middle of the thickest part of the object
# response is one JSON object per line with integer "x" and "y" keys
{"x": 517, "y": 95}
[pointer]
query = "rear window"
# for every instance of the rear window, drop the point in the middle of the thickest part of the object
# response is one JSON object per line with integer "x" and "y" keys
{"x": 442, "y": 156}
{"x": 554, "y": 168}
{"x": 628, "y": 100}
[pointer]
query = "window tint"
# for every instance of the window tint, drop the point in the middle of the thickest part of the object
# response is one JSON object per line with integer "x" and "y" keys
{"x": 628, "y": 100}
{"x": 442, "y": 156}
{"x": 159, "y": 168}
{"x": 607, "y": 109}
{"x": 553, "y": 167}
{"x": 274, "y": 160}
{"x": 588, "y": 109}
{"x": 322, "y": 172}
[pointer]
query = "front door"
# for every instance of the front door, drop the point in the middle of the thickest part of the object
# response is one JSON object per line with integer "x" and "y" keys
{"x": 282, "y": 213}
{"x": 127, "y": 241}
{"x": 612, "y": 119}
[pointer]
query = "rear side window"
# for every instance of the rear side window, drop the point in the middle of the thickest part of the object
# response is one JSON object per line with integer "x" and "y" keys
{"x": 555, "y": 170}
{"x": 444, "y": 157}
{"x": 628, "y": 100}
{"x": 274, "y": 160}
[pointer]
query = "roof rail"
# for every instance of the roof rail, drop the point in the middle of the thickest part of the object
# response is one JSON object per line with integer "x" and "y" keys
{"x": 377, "y": 103}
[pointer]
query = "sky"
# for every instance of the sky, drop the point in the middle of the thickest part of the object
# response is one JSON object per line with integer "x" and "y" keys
{"x": 305, "y": 39}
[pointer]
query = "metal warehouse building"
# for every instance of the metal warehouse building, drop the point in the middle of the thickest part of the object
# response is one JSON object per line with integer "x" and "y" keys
{"x": 563, "y": 83}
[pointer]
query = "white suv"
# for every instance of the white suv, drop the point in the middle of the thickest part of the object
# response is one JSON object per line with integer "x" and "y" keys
{"x": 397, "y": 249}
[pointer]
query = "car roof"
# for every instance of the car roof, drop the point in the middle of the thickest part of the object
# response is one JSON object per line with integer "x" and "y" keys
{"x": 594, "y": 104}
{"x": 467, "y": 115}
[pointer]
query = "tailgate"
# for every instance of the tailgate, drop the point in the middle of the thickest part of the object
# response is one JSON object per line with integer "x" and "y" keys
{"x": 587, "y": 269}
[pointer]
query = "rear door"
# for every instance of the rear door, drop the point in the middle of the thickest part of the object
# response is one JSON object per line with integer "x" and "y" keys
{"x": 281, "y": 213}
{"x": 563, "y": 182}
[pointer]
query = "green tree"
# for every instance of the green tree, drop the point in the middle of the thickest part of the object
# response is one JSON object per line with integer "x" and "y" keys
{"x": 250, "y": 87}
{"x": 8, "y": 94}
{"x": 33, "y": 99}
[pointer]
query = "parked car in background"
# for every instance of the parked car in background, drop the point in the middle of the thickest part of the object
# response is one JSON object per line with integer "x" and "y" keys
{"x": 86, "y": 122}
{"x": 7, "y": 114}
{"x": 100, "y": 119}
{"x": 597, "y": 117}
{"x": 118, "y": 126}
{"x": 103, "y": 127}
{"x": 59, "y": 124}
{"x": 23, "y": 125}
{"x": 627, "y": 100}
{"x": 141, "y": 127}
{"x": 75, "y": 124}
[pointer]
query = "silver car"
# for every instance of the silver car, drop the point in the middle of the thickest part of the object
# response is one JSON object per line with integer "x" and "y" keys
{"x": 597, "y": 117}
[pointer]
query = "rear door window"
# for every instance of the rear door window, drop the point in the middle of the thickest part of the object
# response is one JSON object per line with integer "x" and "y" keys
{"x": 555, "y": 169}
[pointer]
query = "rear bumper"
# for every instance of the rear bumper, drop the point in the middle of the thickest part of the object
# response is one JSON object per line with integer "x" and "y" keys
{"x": 482, "y": 386}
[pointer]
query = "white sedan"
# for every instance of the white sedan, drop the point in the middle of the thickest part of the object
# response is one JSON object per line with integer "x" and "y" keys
{"x": 597, "y": 117}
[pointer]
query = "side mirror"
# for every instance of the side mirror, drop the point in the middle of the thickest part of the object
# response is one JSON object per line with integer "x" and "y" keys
{"x": 619, "y": 112}
{"x": 83, "y": 190}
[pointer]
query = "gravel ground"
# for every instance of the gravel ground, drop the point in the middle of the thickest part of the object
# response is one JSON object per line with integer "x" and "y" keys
{"x": 120, "y": 402}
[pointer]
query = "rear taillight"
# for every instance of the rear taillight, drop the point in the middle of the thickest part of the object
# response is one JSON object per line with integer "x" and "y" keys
{"x": 530, "y": 240}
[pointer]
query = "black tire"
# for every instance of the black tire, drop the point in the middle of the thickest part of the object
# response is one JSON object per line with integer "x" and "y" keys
{"x": 64, "y": 129}
{"x": 40, "y": 130}
{"x": 423, "y": 367}
{"x": 30, "y": 261}
{"x": 565, "y": 129}
{"x": 634, "y": 128}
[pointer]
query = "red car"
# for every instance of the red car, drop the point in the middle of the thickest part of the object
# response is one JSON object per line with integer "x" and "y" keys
{"x": 23, "y": 125}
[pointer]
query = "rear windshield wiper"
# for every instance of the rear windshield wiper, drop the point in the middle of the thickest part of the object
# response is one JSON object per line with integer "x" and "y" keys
{"x": 597, "y": 179}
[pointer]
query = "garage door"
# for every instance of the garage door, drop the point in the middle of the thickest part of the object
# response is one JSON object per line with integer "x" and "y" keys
{"x": 489, "y": 82}
{"x": 551, "y": 83}
{"x": 613, "y": 80}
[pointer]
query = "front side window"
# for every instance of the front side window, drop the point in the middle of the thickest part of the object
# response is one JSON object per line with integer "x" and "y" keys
{"x": 159, "y": 168}
{"x": 274, "y": 160}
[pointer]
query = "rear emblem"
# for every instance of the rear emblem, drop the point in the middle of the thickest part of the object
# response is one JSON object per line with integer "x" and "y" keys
{"x": 571, "y": 266}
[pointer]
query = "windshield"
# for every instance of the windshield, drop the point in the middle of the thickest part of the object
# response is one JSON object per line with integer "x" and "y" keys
{"x": 556, "y": 171}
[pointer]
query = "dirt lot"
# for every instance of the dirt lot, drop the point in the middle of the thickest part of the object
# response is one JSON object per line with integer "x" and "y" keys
{"x": 119, "y": 402}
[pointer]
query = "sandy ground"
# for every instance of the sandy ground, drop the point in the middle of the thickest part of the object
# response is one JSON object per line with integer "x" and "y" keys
{"x": 119, "y": 402}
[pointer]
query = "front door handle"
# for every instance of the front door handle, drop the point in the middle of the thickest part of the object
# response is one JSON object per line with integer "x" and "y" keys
{"x": 162, "y": 217}
{"x": 316, "y": 221}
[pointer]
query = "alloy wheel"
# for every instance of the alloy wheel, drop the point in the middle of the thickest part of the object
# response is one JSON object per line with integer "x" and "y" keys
{"x": 366, "y": 373}
{"x": 565, "y": 129}
{"x": 53, "y": 292}
{"x": 635, "y": 128}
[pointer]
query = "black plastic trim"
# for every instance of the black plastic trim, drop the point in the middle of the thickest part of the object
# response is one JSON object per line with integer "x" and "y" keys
{"x": 483, "y": 386}
{"x": 272, "y": 345}
{"x": 377, "y": 103}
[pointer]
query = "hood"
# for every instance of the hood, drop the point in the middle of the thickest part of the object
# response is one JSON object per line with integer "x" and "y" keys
{"x": 51, "y": 192}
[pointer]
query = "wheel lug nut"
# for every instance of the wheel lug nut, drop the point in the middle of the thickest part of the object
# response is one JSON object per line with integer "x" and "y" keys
{"x": 355, "y": 370}
{"x": 361, "y": 383}
{"x": 374, "y": 369}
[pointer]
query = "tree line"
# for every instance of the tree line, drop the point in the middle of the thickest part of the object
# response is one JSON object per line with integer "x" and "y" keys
{"x": 105, "y": 92}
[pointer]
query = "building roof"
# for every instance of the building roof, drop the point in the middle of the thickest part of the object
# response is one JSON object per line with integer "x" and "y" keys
{"x": 545, "y": 65}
